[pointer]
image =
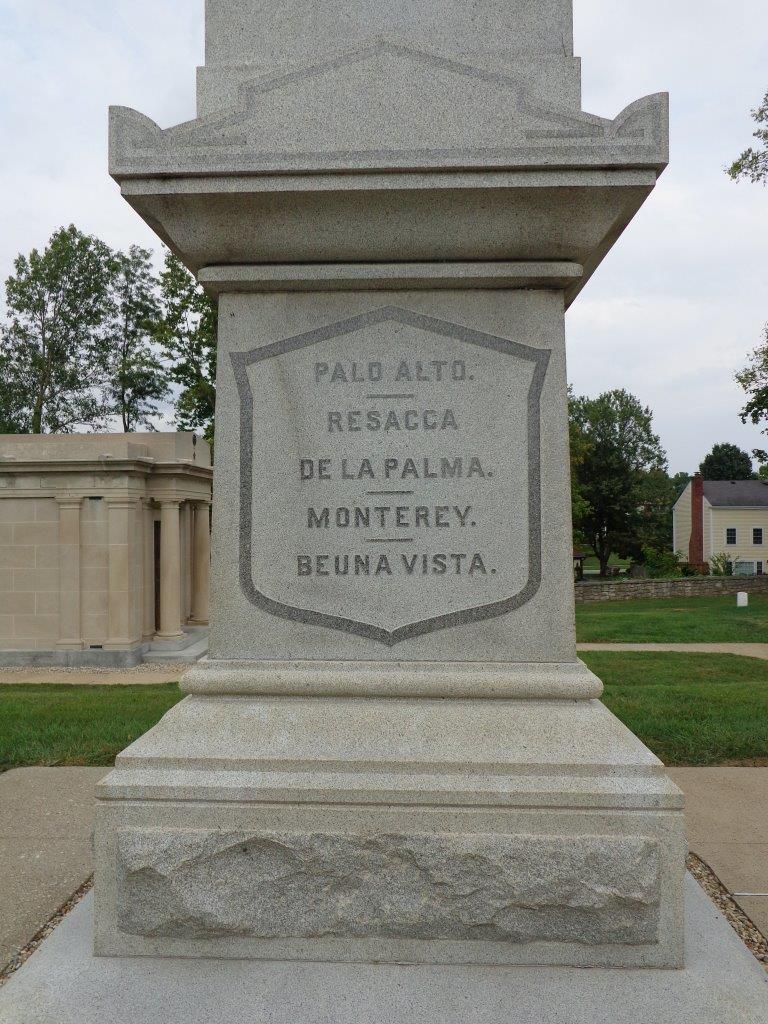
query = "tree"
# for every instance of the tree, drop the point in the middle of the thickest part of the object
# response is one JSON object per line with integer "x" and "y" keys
{"x": 753, "y": 162}
{"x": 653, "y": 531}
{"x": 135, "y": 380}
{"x": 753, "y": 165}
{"x": 579, "y": 445}
{"x": 614, "y": 477}
{"x": 57, "y": 303}
{"x": 727, "y": 462}
{"x": 754, "y": 380}
{"x": 186, "y": 330}
{"x": 679, "y": 482}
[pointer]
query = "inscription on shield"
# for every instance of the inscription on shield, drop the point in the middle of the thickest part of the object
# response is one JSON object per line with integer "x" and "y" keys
{"x": 390, "y": 475}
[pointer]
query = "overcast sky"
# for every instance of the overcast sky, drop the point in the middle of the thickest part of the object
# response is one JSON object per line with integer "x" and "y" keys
{"x": 670, "y": 315}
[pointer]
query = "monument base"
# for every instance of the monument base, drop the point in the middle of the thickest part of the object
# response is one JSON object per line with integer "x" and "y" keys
{"x": 63, "y": 983}
{"x": 391, "y": 830}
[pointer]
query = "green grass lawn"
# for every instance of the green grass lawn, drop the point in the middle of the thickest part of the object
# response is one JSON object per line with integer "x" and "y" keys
{"x": 674, "y": 620}
{"x": 52, "y": 724}
{"x": 689, "y": 709}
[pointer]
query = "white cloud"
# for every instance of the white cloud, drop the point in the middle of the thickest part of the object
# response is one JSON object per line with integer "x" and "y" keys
{"x": 670, "y": 315}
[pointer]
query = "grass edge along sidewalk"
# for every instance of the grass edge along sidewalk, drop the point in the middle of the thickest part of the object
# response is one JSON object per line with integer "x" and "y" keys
{"x": 690, "y": 709}
{"x": 673, "y": 620}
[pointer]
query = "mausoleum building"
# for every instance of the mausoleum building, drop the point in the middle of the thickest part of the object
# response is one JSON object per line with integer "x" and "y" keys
{"x": 104, "y": 546}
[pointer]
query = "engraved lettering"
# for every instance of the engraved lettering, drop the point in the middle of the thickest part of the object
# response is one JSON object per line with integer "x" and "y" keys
{"x": 389, "y": 421}
{"x": 316, "y": 519}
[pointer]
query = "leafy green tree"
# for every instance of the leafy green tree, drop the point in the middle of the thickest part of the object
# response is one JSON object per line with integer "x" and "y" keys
{"x": 753, "y": 165}
{"x": 727, "y": 462}
{"x": 57, "y": 304}
{"x": 753, "y": 162}
{"x": 579, "y": 445}
{"x": 135, "y": 380}
{"x": 679, "y": 482}
{"x": 614, "y": 475}
{"x": 186, "y": 330}
{"x": 653, "y": 531}
{"x": 754, "y": 380}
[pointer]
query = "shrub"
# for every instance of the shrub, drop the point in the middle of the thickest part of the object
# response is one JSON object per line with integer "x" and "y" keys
{"x": 721, "y": 564}
{"x": 661, "y": 564}
{"x": 695, "y": 568}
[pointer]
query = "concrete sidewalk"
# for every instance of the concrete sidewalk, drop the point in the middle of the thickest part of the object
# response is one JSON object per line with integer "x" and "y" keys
{"x": 46, "y": 818}
{"x": 148, "y": 674}
{"x": 745, "y": 650}
{"x": 142, "y": 675}
{"x": 726, "y": 816}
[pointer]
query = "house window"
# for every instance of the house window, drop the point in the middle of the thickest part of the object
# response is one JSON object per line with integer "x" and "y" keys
{"x": 730, "y": 536}
{"x": 759, "y": 568}
{"x": 757, "y": 535}
{"x": 743, "y": 568}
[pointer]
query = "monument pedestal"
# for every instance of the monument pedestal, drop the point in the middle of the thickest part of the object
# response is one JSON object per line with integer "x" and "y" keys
{"x": 393, "y": 753}
{"x": 407, "y": 830}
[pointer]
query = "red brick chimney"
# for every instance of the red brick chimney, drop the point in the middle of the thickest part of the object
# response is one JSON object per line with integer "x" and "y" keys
{"x": 696, "y": 546}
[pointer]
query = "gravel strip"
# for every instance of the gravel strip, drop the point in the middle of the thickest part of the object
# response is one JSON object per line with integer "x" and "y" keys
{"x": 25, "y": 953}
{"x": 749, "y": 934}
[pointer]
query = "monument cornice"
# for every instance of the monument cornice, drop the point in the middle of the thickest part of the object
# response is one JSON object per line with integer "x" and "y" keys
{"x": 312, "y": 277}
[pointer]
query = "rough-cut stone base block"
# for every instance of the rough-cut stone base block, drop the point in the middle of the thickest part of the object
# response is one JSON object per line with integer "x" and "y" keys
{"x": 406, "y": 831}
{"x": 589, "y": 890}
{"x": 63, "y": 983}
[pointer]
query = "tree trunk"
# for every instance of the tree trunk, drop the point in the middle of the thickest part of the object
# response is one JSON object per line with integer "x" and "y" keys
{"x": 37, "y": 415}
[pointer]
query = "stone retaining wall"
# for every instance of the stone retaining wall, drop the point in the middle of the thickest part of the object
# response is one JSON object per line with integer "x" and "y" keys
{"x": 688, "y": 586}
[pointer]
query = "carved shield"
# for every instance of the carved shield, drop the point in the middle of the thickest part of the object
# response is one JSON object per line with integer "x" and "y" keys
{"x": 390, "y": 475}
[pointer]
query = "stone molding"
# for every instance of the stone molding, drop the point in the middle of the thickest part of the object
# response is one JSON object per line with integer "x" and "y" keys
{"x": 219, "y": 280}
{"x": 501, "y": 680}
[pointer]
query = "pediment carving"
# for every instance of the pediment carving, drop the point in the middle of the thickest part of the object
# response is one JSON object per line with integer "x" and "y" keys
{"x": 385, "y": 107}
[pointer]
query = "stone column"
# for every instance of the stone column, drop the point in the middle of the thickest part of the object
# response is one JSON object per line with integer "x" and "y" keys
{"x": 148, "y": 561}
{"x": 170, "y": 572}
{"x": 122, "y": 630}
{"x": 201, "y": 563}
{"x": 70, "y": 636}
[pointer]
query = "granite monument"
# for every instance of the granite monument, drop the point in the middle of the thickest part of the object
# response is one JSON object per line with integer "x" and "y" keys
{"x": 392, "y": 752}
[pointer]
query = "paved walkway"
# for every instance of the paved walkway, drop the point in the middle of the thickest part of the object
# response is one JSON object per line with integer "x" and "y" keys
{"x": 46, "y": 817}
{"x": 142, "y": 675}
{"x": 726, "y": 814}
{"x": 147, "y": 674}
{"x": 746, "y": 650}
